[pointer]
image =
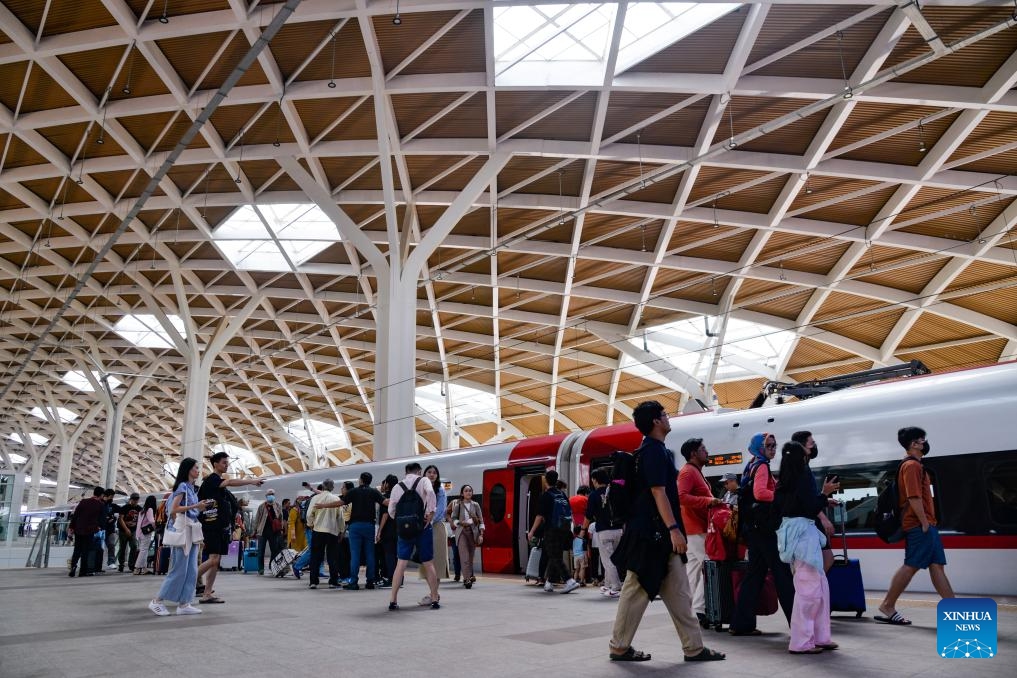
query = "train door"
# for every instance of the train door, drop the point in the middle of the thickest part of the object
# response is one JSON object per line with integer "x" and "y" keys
{"x": 498, "y": 549}
{"x": 531, "y": 486}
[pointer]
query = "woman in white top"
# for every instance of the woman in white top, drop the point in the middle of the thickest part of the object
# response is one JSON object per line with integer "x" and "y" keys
{"x": 144, "y": 532}
{"x": 468, "y": 522}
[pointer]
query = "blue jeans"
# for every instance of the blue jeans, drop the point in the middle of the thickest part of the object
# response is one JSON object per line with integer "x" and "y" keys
{"x": 304, "y": 560}
{"x": 179, "y": 584}
{"x": 361, "y": 537}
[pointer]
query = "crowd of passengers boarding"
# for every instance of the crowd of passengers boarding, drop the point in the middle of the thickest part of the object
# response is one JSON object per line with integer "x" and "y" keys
{"x": 643, "y": 531}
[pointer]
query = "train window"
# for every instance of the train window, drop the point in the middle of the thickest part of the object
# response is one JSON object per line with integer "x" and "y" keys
{"x": 859, "y": 488}
{"x": 1001, "y": 484}
{"x": 497, "y": 504}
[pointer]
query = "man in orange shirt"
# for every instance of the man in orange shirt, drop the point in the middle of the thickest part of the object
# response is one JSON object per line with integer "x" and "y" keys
{"x": 695, "y": 499}
{"x": 922, "y": 547}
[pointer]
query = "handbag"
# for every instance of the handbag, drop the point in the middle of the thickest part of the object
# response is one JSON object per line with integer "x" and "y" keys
{"x": 178, "y": 535}
{"x": 147, "y": 529}
{"x": 196, "y": 534}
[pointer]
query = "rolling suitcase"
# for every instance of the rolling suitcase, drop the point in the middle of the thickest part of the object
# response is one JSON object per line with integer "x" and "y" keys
{"x": 231, "y": 561}
{"x": 847, "y": 593}
{"x": 767, "y": 603}
{"x": 533, "y": 564}
{"x": 719, "y": 590}
{"x": 162, "y": 560}
{"x": 251, "y": 557}
{"x": 282, "y": 563}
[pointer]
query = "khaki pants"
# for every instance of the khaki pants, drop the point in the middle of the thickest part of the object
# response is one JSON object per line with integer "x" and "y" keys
{"x": 694, "y": 568}
{"x": 674, "y": 591}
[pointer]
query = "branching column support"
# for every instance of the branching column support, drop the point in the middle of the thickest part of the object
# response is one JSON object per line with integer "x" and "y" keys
{"x": 398, "y": 274}
{"x": 199, "y": 361}
{"x": 114, "y": 406}
{"x": 67, "y": 444}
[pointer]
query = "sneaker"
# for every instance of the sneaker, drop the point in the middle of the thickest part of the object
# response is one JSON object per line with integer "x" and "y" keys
{"x": 604, "y": 590}
{"x": 570, "y": 586}
{"x": 548, "y": 587}
{"x": 187, "y": 609}
{"x": 352, "y": 587}
{"x": 369, "y": 586}
{"x": 385, "y": 584}
{"x": 158, "y": 608}
{"x": 312, "y": 586}
{"x": 296, "y": 572}
{"x": 334, "y": 586}
{"x": 613, "y": 594}
{"x": 392, "y": 607}
{"x": 425, "y": 601}
{"x": 71, "y": 573}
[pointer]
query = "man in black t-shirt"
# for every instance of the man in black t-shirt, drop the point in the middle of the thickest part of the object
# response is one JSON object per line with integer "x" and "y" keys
{"x": 216, "y": 522}
{"x": 654, "y": 546}
{"x": 609, "y": 530}
{"x": 557, "y": 538}
{"x": 110, "y": 526}
{"x": 128, "y": 523}
{"x": 364, "y": 502}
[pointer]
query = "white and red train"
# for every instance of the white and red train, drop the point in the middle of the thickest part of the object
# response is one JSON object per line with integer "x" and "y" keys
{"x": 969, "y": 415}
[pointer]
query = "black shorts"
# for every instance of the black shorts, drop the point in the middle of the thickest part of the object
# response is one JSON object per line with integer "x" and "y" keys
{"x": 217, "y": 540}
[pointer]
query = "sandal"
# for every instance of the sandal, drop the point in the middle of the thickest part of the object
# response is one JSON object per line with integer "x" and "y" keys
{"x": 211, "y": 600}
{"x": 707, "y": 655}
{"x": 392, "y": 607}
{"x": 896, "y": 620}
{"x": 630, "y": 655}
{"x": 828, "y": 646}
{"x": 814, "y": 650}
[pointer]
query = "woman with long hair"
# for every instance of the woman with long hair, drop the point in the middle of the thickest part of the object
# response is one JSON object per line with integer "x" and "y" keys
{"x": 144, "y": 532}
{"x": 438, "y": 525}
{"x": 800, "y": 544}
{"x": 468, "y": 523}
{"x": 178, "y": 587}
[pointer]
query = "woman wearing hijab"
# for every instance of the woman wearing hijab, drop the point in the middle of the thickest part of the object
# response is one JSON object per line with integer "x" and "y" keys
{"x": 800, "y": 543}
{"x": 178, "y": 587}
{"x": 438, "y": 525}
{"x": 759, "y": 525}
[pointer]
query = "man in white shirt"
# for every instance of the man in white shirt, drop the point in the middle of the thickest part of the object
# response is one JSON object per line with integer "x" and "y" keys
{"x": 324, "y": 517}
{"x": 414, "y": 532}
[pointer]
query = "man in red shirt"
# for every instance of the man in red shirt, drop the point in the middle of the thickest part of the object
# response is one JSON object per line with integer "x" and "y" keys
{"x": 695, "y": 499}
{"x": 923, "y": 549}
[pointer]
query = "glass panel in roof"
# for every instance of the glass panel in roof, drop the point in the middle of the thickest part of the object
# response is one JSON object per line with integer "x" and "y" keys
{"x": 78, "y": 380}
{"x": 748, "y": 349}
{"x": 17, "y": 458}
{"x": 66, "y": 416}
{"x": 36, "y": 438}
{"x": 568, "y": 44}
{"x": 240, "y": 457}
{"x": 301, "y": 229}
{"x": 146, "y": 332}
{"x": 469, "y": 405}
{"x": 319, "y": 435}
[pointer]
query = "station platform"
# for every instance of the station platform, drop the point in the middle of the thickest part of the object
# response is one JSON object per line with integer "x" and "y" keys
{"x": 52, "y": 626}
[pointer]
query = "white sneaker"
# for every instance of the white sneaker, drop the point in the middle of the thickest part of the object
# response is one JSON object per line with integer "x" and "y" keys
{"x": 613, "y": 594}
{"x": 549, "y": 587}
{"x": 158, "y": 608}
{"x": 570, "y": 586}
{"x": 188, "y": 609}
{"x": 425, "y": 601}
{"x": 604, "y": 590}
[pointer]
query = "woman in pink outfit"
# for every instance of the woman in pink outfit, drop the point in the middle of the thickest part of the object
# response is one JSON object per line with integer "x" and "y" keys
{"x": 800, "y": 544}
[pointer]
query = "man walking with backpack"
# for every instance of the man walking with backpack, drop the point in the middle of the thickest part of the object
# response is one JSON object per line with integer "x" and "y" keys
{"x": 412, "y": 505}
{"x": 653, "y": 547}
{"x": 599, "y": 513}
{"x": 923, "y": 549}
{"x": 556, "y": 512}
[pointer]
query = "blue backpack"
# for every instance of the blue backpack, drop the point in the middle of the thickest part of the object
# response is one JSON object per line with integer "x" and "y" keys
{"x": 561, "y": 512}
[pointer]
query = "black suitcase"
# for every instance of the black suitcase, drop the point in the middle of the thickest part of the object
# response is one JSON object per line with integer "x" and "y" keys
{"x": 719, "y": 589}
{"x": 847, "y": 592}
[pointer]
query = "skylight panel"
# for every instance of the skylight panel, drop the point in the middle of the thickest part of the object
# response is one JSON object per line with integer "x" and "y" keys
{"x": 37, "y": 439}
{"x": 263, "y": 237}
{"x": 17, "y": 458}
{"x": 145, "y": 331}
{"x": 319, "y": 435}
{"x": 556, "y": 44}
{"x": 241, "y": 456}
{"x": 469, "y": 405}
{"x": 66, "y": 416}
{"x": 78, "y": 380}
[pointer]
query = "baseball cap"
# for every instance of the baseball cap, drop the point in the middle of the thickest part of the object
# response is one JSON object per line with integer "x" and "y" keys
{"x": 728, "y": 476}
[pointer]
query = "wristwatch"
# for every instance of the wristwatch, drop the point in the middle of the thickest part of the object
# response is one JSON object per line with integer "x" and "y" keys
{"x": 671, "y": 528}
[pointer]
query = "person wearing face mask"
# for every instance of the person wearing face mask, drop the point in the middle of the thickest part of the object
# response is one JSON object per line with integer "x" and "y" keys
{"x": 268, "y": 525}
{"x": 760, "y": 530}
{"x": 923, "y": 549}
{"x": 823, "y": 524}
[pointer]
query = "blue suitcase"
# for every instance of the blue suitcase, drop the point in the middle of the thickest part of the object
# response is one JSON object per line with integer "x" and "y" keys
{"x": 847, "y": 592}
{"x": 251, "y": 557}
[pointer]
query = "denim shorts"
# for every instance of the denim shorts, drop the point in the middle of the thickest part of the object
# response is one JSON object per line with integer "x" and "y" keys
{"x": 922, "y": 549}
{"x": 423, "y": 544}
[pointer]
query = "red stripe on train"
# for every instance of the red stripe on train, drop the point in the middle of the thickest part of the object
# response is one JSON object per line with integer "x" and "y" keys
{"x": 950, "y": 541}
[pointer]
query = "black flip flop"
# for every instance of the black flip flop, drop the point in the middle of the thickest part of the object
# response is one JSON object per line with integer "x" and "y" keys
{"x": 630, "y": 655}
{"x": 896, "y": 620}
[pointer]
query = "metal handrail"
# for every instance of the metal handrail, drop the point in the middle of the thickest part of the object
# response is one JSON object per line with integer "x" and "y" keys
{"x": 40, "y": 546}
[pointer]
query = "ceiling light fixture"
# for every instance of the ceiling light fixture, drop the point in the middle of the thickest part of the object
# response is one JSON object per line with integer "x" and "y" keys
{"x": 848, "y": 92}
{"x": 561, "y": 197}
{"x": 808, "y": 185}
{"x": 716, "y": 224}
{"x": 164, "y": 18}
{"x": 397, "y": 20}
{"x": 278, "y": 123}
{"x": 639, "y": 146}
{"x": 921, "y": 137}
{"x": 331, "y": 77}
{"x": 130, "y": 69}
{"x": 731, "y": 144}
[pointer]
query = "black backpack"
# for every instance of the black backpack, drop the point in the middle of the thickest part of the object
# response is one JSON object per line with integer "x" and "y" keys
{"x": 410, "y": 512}
{"x": 621, "y": 493}
{"x": 888, "y": 509}
{"x": 752, "y": 513}
{"x": 561, "y": 511}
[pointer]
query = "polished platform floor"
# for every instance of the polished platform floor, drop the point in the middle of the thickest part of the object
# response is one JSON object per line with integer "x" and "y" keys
{"x": 52, "y": 626}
